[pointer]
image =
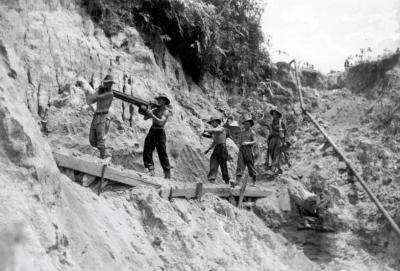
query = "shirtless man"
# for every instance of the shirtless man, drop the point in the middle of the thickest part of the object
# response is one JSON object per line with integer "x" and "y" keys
{"x": 219, "y": 157}
{"x": 156, "y": 138}
{"x": 101, "y": 120}
{"x": 246, "y": 155}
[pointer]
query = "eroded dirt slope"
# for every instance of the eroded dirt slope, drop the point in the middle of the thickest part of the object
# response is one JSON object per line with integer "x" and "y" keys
{"x": 358, "y": 230}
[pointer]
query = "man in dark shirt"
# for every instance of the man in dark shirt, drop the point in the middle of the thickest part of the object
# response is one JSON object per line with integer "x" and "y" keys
{"x": 101, "y": 120}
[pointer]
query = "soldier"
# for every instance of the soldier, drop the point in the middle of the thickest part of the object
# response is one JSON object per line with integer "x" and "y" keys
{"x": 156, "y": 138}
{"x": 219, "y": 157}
{"x": 276, "y": 141}
{"x": 101, "y": 120}
{"x": 246, "y": 155}
{"x": 232, "y": 130}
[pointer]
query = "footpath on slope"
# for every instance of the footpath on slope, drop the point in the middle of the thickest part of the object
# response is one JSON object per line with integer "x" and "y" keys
{"x": 72, "y": 165}
{"x": 348, "y": 163}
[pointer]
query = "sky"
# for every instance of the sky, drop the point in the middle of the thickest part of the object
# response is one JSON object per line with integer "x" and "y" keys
{"x": 325, "y": 33}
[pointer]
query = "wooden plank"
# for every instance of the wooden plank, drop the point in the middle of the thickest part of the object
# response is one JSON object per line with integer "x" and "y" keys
{"x": 188, "y": 193}
{"x": 242, "y": 192}
{"x": 252, "y": 193}
{"x": 223, "y": 192}
{"x": 199, "y": 190}
{"x": 126, "y": 177}
{"x": 165, "y": 193}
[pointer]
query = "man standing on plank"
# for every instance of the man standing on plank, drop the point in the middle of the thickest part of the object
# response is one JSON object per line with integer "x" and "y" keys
{"x": 101, "y": 120}
{"x": 219, "y": 157}
{"x": 246, "y": 155}
{"x": 276, "y": 141}
{"x": 156, "y": 138}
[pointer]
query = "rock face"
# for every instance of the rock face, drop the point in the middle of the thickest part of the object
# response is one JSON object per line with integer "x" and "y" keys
{"x": 369, "y": 75}
{"x": 48, "y": 222}
{"x": 46, "y": 47}
{"x": 342, "y": 204}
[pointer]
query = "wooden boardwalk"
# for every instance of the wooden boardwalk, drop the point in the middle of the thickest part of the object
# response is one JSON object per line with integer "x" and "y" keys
{"x": 222, "y": 191}
{"x": 132, "y": 178}
{"x": 128, "y": 177}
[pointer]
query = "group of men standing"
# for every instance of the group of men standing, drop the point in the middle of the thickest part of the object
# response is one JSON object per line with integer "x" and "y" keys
{"x": 246, "y": 143}
{"x": 156, "y": 137}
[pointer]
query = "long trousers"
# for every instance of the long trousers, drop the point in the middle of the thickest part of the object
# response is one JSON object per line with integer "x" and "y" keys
{"x": 98, "y": 131}
{"x": 275, "y": 148}
{"x": 246, "y": 159}
{"x": 219, "y": 158}
{"x": 156, "y": 139}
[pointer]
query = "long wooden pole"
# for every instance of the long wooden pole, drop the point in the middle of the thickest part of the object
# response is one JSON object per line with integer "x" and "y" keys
{"x": 242, "y": 191}
{"x": 347, "y": 161}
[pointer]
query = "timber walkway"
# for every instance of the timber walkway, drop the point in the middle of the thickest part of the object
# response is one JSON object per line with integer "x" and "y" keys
{"x": 134, "y": 179}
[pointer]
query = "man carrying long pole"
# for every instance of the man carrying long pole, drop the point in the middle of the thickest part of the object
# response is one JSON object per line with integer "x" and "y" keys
{"x": 156, "y": 138}
{"x": 101, "y": 120}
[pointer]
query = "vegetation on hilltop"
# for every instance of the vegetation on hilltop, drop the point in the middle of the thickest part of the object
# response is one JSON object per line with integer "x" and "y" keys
{"x": 220, "y": 37}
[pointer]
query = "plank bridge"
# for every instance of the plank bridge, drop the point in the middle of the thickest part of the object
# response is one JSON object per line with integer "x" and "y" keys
{"x": 133, "y": 179}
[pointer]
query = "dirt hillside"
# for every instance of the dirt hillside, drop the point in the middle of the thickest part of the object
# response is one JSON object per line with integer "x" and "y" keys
{"x": 50, "y": 222}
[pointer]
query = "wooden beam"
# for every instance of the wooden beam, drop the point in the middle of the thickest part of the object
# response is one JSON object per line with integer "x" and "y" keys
{"x": 126, "y": 177}
{"x": 165, "y": 193}
{"x": 199, "y": 190}
{"x": 220, "y": 191}
{"x": 242, "y": 192}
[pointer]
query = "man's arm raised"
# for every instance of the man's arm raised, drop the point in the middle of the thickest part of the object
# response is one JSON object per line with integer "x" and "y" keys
{"x": 159, "y": 121}
{"x": 215, "y": 130}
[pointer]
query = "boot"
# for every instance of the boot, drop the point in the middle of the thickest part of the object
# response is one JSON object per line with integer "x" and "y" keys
{"x": 253, "y": 182}
{"x": 238, "y": 180}
{"x": 102, "y": 153}
{"x": 151, "y": 172}
{"x": 167, "y": 174}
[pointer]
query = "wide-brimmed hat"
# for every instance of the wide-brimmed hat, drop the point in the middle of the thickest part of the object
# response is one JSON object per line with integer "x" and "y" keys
{"x": 214, "y": 119}
{"x": 277, "y": 111}
{"x": 248, "y": 119}
{"x": 163, "y": 96}
{"x": 234, "y": 123}
{"x": 108, "y": 79}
